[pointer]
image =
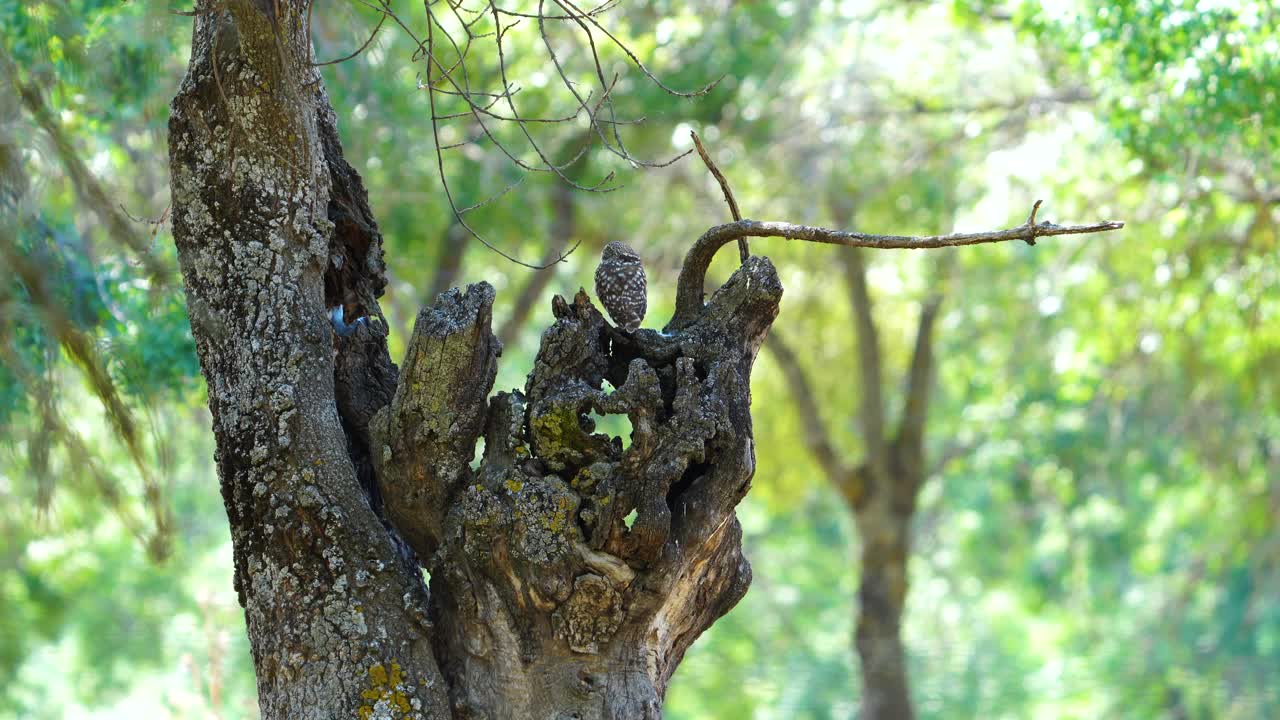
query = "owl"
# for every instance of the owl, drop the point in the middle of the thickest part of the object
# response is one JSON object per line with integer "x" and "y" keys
{"x": 620, "y": 285}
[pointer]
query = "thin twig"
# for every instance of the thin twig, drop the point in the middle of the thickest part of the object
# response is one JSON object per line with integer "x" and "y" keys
{"x": 743, "y": 251}
{"x": 1031, "y": 221}
{"x": 360, "y": 49}
{"x": 449, "y": 77}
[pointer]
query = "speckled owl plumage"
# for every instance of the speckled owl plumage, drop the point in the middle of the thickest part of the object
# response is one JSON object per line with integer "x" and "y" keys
{"x": 620, "y": 285}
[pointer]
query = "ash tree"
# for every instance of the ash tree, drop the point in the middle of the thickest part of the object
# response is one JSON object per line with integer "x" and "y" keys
{"x": 568, "y": 571}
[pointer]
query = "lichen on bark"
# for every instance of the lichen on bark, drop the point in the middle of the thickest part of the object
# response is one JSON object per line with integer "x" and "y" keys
{"x": 538, "y": 579}
{"x": 569, "y": 573}
{"x": 326, "y": 591}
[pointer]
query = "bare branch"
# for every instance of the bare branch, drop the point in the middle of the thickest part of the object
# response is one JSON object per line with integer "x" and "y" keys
{"x": 1031, "y": 221}
{"x": 689, "y": 290}
{"x": 871, "y": 415}
{"x": 915, "y": 410}
{"x": 743, "y": 251}
{"x": 444, "y": 179}
{"x": 53, "y": 428}
{"x": 599, "y": 10}
{"x": 449, "y": 76}
{"x": 569, "y": 85}
{"x": 88, "y": 188}
{"x": 358, "y": 50}
{"x": 568, "y": 5}
{"x": 79, "y": 346}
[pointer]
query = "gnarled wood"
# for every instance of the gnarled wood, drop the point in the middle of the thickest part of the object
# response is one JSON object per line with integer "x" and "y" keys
{"x": 424, "y": 439}
{"x": 572, "y": 572}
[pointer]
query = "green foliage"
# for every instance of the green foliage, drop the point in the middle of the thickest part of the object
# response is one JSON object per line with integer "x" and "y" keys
{"x": 1174, "y": 74}
{"x": 91, "y": 624}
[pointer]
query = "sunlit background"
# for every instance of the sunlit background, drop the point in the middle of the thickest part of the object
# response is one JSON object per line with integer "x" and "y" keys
{"x": 1099, "y": 535}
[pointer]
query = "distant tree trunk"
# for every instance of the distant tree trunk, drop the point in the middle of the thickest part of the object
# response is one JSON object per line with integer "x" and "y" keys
{"x": 880, "y": 493}
{"x": 885, "y": 532}
{"x": 568, "y": 575}
{"x": 564, "y": 227}
{"x": 453, "y": 244}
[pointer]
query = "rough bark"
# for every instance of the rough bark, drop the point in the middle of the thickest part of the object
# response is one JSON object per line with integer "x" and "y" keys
{"x": 272, "y": 229}
{"x": 570, "y": 571}
{"x": 569, "y": 574}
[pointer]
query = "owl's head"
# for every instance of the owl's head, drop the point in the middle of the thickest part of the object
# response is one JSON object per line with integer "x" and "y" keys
{"x": 617, "y": 250}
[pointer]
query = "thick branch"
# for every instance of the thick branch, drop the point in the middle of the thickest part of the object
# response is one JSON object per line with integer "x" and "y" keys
{"x": 579, "y": 570}
{"x": 915, "y": 409}
{"x": 689, "y": 292}
{"x": 871, "y": 414}
{"x": 817, "y": 439}
{"x": 424, "y": 440}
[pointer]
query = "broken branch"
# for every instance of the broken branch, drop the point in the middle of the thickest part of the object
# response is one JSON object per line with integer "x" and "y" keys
{"x": 743, "y": 252}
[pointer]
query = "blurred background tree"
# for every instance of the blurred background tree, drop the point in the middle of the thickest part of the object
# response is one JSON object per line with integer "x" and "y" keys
{"x": 1096, "y": 534}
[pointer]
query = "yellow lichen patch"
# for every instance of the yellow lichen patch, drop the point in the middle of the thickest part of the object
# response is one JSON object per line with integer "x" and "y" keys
{"x": 553, "y": 428}
{"x": 514, "y": 485}
{"x": 560, "y": 517}
{"x": 582, "y": 480}
{"x": 386, "y": 693}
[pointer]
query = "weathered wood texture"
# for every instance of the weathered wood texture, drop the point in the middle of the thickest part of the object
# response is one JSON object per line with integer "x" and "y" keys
{"x": 569, "y": 573}
{"x": 272, "y": 228}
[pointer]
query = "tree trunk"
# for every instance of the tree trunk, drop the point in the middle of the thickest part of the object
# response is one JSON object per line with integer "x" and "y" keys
{"x": 883, "y": 517}
{"x": 882, "y": 593}
{"x": 272, "y": 227}
{"x": 568, "y": 574}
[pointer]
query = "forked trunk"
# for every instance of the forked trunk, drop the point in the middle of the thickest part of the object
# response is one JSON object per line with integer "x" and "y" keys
{"x": 568, "y": 574}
